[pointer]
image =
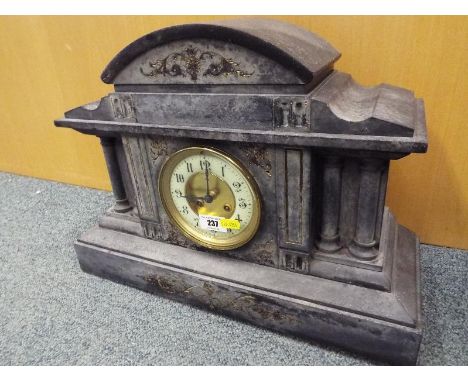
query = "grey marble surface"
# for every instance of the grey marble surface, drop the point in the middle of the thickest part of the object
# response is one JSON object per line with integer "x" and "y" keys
{"x": 51, "y": 313}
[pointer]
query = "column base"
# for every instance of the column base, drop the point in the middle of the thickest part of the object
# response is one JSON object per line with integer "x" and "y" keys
{"x": 363, "y": 251}
{"x": 122, "y": 206}
{"x": 328, "y": 244}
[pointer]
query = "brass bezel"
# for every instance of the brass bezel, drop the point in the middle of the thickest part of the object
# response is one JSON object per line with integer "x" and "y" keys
{"x": 165, "y": 194}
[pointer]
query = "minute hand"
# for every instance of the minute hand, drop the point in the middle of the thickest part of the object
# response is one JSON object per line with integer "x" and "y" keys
{"x": 208, "y": 197}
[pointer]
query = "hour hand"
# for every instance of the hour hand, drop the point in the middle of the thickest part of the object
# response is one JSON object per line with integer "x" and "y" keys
{"x": 194, "y": 198}
{"x": 189, "y": 197}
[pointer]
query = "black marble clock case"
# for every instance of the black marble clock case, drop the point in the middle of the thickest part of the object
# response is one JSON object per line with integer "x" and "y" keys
{"x": 329, "y": 261}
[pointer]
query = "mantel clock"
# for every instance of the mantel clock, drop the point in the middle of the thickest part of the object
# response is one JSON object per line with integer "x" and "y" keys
{"x": 250, "y": 177}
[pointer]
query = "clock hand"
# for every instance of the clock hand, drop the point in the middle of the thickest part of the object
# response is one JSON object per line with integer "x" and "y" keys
{"x": 208, "y": 198}
{"x": 196, "y": 198}
{"x": 189, "y": 197}
{"x": 206, "y": 177}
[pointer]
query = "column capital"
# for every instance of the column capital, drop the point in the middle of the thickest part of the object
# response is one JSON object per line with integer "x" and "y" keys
{"x": 332, "y": 161}
{"x": 370, "y": 164}
{"x": 107, "y": 141}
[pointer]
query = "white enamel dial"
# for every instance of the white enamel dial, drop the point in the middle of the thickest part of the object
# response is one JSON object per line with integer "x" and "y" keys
{"x": 211, "y": 197}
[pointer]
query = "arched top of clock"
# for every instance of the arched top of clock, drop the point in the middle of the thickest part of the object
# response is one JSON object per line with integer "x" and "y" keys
{"x": 233, "y": 52}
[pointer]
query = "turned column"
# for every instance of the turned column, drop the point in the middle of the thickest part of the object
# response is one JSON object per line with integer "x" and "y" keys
{"x": 329, "y": 240}
{"x": 121, "y": 202}
{"x": 364, "y": 243}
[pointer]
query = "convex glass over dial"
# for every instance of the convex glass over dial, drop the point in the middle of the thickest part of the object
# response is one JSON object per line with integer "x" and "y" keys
{"x": 211, "y": 197}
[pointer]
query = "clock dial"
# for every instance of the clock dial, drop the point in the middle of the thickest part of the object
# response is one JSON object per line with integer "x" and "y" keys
{"x": 211, "y": 197}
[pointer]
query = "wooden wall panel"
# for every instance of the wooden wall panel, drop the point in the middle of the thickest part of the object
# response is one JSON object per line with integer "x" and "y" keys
{"x": 51, "y": 64}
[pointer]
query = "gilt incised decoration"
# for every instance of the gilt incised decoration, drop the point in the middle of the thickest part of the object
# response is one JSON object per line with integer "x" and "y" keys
{"x": 258, "y": 156}
{"x": 157, "y": 149}
{"x": 193, "y": 63}
{"x": 219, "y": 299}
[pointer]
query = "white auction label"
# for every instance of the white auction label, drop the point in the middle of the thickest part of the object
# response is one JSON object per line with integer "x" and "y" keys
{"x": 211, "y": 223}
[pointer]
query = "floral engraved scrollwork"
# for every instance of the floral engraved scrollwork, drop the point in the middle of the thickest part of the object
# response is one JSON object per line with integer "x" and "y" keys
{"x": 259, "y": 156}
{"x": 219, "y": 299}
{"x": 172, "y": 235}
{"x": 264, "y": 252}
{"x": 157, "y": 148}
{"x": 191, "y": 62}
